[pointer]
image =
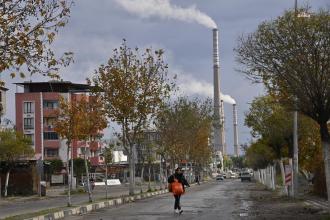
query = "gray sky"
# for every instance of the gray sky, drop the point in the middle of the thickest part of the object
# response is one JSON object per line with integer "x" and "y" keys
{"x": 97, "y": 27}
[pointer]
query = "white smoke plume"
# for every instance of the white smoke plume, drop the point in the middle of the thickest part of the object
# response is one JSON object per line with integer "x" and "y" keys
{"x": 228, "y": 99}
{"x": 191, "y": 86}
{"x": 164, "y": 9}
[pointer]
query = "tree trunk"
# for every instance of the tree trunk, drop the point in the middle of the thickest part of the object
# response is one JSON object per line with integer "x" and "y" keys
{"x": 71, "y": 173}
{"x": 283, "y": 176}
{"x": 325, "y": 138}
{"x": 149, "y": 177}
{"x": 160, "y": 173}
{"x": 153, "y": 172}
{"x": 90, "y": 198}
{"x": 67, "y": 171}
{"x": 131, "y": 171}
{"x": 165, "y": 173}
{"x": 106, "y": 179}
{"x": 6, "y": 183}
{"x": 142, "y": 173}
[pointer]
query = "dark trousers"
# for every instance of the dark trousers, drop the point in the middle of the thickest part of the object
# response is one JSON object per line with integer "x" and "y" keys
{"x": 177, "y": 202}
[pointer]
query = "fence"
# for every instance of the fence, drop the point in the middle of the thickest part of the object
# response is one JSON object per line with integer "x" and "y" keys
{"x": 266, "y": 177}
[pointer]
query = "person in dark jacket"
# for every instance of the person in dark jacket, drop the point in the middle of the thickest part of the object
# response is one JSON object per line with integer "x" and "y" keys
{"x": 181, "y": 179}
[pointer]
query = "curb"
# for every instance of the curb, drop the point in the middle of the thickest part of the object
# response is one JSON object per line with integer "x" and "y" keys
{"x": 84, "y": 209}
{"x": 318, "y": 204}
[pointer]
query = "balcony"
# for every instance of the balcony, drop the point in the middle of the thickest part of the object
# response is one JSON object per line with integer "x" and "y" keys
{"x": 48, "y": 128}
{"x": 94, "y": 145}
{"x": 49, "y": 112}
{"x": 52, "y": 144}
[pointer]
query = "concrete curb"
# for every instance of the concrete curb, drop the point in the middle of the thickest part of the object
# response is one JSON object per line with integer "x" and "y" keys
{"x": 318, "y": 204}
{"x": 84, "y": 209}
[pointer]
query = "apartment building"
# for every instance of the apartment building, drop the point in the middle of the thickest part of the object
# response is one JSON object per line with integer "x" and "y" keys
{"x": 36, "y": 103}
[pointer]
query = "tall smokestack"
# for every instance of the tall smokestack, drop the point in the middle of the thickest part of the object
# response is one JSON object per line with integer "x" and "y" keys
{"x": 216, "y": 94}
{"x": 222, "y": 130}
{"x": 235, "y": 130}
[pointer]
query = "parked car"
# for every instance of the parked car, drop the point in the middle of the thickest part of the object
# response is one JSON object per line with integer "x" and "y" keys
{"x": 231, "y": 174}
{"x": 246, "y": 176}
{"x": 219, "y": 177}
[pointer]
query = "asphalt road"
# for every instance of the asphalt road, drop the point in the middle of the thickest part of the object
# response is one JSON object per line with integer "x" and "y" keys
{"x": 228, "y": 199}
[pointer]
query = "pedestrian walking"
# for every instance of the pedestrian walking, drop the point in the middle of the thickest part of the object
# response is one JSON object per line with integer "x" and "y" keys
{"x": 177, "y": 183}
{"x": 197, "y": 179}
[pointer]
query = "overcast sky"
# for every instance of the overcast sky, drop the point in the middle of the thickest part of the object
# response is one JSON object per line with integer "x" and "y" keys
{"x": 97, "y": 27}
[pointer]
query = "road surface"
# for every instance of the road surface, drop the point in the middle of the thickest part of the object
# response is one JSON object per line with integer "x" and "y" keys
{"x": 229, "y": 199}
{"x": 217, "y": 200}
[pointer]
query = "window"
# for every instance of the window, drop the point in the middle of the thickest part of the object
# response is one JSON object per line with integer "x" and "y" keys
{"x": 28, "y": 123}
{"x": 49, "y": 121}
{"x": 50, "y": 104}
{"x": 28, "y": 107}
{"x": 51, "y": 152}
{"x": 50, "y": 136}
{"x": 30, "y": 136}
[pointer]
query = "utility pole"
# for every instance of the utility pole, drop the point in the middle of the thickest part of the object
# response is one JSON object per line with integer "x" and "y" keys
{"x": 295, "y": 135}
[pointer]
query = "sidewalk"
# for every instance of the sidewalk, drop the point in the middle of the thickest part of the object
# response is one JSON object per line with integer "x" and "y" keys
{"x": 56, "y": 198}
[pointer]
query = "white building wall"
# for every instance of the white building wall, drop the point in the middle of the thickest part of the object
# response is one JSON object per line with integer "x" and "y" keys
{"x": 119, "y": 156}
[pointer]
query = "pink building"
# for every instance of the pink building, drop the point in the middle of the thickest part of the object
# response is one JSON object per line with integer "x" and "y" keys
{"x": 35, "y": 116}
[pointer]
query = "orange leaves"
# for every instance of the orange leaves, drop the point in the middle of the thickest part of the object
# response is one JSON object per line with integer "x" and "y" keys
{"x": 93, "y": 117}
{"x": 27, "y": 29}
{"x": 133, "y": 86}
{"x": 80, "y": 118}
{"x": 185, "y": 127}
{"x": 67, "y": 120}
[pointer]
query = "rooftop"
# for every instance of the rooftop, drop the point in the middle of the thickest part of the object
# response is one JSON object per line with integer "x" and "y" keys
{"x": 54, "y": 86}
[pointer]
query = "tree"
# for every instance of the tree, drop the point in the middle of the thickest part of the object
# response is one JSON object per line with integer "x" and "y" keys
{"x": 258, "y": 155}
{"x": 184, "y": 127}
{"x": 150, "y": 149}
{"x": 53, "y": 166}
{"x": 67, "y": 125}
{"x": 132, "y": 86}
{"x": 27, "y": 30}
{"x": 227, "y": 162}
{"x": 80, "y": 119}
{"x": 13, "y": 147}
{"x": 238, "y": 161}
{"x": 92, "y": 111}
{"x": 290, "y": 55}
{"x": 271, "y": 123}
{"x": 79, "y": 167}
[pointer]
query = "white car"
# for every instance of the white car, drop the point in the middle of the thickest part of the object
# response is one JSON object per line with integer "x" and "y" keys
{"x": 231, "y": 174}
{"x": 246, "y": 176}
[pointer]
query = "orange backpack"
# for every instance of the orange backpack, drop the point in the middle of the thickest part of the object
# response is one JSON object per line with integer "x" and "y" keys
{"x": 176, "y": 188}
